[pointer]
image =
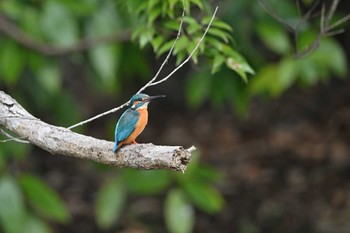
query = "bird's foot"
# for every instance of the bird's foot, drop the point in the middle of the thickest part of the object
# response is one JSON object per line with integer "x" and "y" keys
{"x": 134, "y": 142}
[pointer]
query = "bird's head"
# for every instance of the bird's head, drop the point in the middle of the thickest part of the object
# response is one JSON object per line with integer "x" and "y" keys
{"x": 140, "y": 101}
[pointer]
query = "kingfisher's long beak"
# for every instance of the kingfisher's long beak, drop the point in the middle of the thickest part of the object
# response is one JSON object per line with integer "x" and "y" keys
{"x": 150, "y": 98}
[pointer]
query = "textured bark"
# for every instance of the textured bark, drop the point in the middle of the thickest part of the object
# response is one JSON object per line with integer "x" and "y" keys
{"x": 59, "y": 140}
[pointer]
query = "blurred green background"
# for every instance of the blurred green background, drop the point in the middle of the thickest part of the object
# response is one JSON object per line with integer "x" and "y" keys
{"x": 267, "y": 107}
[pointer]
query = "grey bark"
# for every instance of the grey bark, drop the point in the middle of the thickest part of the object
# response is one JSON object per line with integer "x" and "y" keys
{"x": 62, "y": 141}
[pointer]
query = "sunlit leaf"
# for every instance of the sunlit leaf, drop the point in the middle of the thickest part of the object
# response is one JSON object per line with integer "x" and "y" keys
{"x": 156, "y": 42}
{"x": 12, "y": 209}
{"x": 165, "y": 47}
{"x": 172, "y": 25}
{"x": 217, "y": 63}
{"x": 44, "y": 198}
{"x": 179, "y": 214}
{"x": 217, "y": 23}
{"x": 274, "y": 36}
{"x": 181, "y": 44}
{"x": 330, "y": 54}
{"x": 109, "y": 203}
{"x": 220, "y": 33}
{"x": 153, "y": 15}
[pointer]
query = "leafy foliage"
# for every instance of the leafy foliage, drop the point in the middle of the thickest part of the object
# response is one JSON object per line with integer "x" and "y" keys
{"x": 46, "y": 83}
{"x": 44, "y": 198}
{"x": 215, "y": 46}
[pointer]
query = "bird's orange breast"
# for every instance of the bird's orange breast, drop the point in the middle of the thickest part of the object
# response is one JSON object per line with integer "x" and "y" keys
{"x": 140, "y": 126}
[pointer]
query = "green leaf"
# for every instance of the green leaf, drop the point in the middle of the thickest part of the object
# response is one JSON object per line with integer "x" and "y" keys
{"x": 204, "y": 196}
{"x": 172, "y": 25}
{"x": 44, "y": 198}
{"x": 109, "y": 203}
{"x": 331, "y": 55}
{"x": 193, "y": 26}
{"x": 217, "y": 23}
{"x": 220, "y": 33}
{"x": 13, "y": 9}
{"x": 49, "y": 77}
{"x": 156, "y": 42}
{"x": 153, "y": 15}
{"x": 146, "y": 182}
{"x": 12, "y": 62}
{"x": 237, "y": 63}
{"x": 197, "y": 88}
{"x": 216, "y": 43}
{"x": 217, "y": 63}
{"x": 35, "y": 225}
{"x": 222, "y": 25}
{"x": 179, "y": 214}
{"x": 58, "y": 24}
{"x": 165, "y": 47}
{"x": 12, "y": 209}
{"x": 105, "y": 59}
{"x": 274, "y": 37}
{"x": 181, "y": 44}
{"x": 287, "y": 73}
{"x": 198, "y": 3}
{"x": 266, "y": 81}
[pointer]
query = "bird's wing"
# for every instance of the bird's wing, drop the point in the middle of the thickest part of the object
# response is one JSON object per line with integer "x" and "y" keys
{"x": 126, "y": 125}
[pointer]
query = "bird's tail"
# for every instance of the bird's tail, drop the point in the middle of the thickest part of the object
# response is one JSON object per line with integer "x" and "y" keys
{"x": 115, "y": 147}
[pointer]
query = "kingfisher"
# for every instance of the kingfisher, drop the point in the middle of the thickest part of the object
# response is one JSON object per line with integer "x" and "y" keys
{"x": 133, "y": 121}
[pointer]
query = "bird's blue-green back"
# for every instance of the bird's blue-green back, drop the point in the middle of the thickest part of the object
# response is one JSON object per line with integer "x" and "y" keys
{"x": 125, "y": 126}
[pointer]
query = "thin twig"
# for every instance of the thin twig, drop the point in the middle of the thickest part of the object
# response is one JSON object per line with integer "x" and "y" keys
{"x": 169, "y": 53}
{"x": 98, "y": 116}
{"x": 152, "y": 81}
{"x": 325, "y": 24}
{"x": 332, "y": 10}
{"x": 268, "y": 9}
{"x": 322, "y": 20}
{"x": 191, "y": 54}
{"x": 11, "y": 138}
{"x": 147, "y": 84}
{"x": 340, "y": 21}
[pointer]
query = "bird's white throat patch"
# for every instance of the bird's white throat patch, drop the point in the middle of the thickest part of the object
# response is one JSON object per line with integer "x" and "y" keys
{"x": 145, "y": 105}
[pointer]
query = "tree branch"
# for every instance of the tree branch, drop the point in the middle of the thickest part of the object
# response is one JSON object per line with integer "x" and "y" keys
{"x": 11, "y": 30}
{"x": 59, "y": 140}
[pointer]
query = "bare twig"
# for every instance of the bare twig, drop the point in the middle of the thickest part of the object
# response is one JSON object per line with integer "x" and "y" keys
{"x": 325, "y": 24}
{"x": 98, "y": 116}
{"x": 11, "y": 138}
{"x": 271, "y": 12}
{"x": 147, "y": 84}
{"x": 169, "y": 53}
{"x": 12, "y": 31}
{"x": 153, "y": 81}
{"x": 191, "y": 54}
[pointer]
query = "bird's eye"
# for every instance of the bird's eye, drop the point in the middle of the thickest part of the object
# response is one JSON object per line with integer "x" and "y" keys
{"x": 139, "y": 99}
